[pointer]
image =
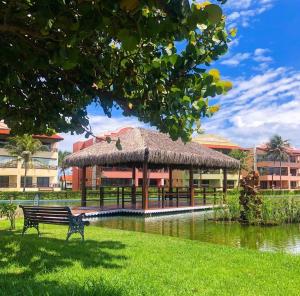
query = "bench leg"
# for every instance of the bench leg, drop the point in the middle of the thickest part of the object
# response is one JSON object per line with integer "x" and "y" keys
{"x": 30, "y": 224}
{"x": 75, "y": 229}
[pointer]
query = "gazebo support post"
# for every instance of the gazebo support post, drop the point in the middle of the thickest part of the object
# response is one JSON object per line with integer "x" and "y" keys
{"x": 170, "y": 183}
{"x": 83, "y": 187}
{"x": 133, "y": 189}
{"x": 191, "y": 188}
{"x": 145, "y": 193}
{"x": 224, "y": 183}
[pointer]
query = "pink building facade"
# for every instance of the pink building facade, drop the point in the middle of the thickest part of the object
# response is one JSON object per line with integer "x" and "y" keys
{"x": 270, "y": 170}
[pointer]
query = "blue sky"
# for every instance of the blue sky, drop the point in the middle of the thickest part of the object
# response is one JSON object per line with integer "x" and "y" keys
{"x": 263, "y": 62}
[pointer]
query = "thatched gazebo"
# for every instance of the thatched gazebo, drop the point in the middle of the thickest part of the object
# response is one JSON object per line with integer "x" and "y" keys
{"x": 147, "y": 149}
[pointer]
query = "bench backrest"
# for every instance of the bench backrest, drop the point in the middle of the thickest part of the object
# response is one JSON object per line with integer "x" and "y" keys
{"x": 49, "y": 215}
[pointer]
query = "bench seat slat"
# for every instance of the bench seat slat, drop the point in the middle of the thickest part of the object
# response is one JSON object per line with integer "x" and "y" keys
{"x": 47, "y": 217}
{"x": 49, "y": 221}
{"x": 58, "y": 209}
{"x": 61, "y": 214}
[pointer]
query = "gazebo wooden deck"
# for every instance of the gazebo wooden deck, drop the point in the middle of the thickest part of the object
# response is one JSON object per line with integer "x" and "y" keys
{"x": 145, "y": 150}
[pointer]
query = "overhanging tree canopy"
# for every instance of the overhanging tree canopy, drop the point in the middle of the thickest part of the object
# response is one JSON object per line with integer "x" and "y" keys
{"x": 146, "y": 57}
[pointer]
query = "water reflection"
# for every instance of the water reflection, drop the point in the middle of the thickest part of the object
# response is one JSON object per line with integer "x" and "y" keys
{"x": 195, "y": 226}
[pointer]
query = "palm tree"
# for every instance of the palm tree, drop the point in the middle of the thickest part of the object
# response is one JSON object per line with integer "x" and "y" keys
{"x": 277, "y": 150}
{"x": 242, "y": 157}
{"x": 24, "y": 147}
{"x": 61, "y": 157}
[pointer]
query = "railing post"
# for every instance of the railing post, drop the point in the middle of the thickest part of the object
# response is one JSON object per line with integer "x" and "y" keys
{"x": 133, "y": 189}
{"x": 122, "y": 197}
{"x": 204, "y": 195}
{"x": 224, "y": 184}
{"x": 163, "y": 197}
{"x": 83, "y": 187}
{"x": 118, "y": 196}
{"x": 215, "y": 195}
{"x": 101, "y": 197}
{"x": 158, "y": 194}
{"x": 145, "y": 192}
{"x": 191, "y": 188}
{"x": 170, "y": 183}
{"x": 177, "y": 197}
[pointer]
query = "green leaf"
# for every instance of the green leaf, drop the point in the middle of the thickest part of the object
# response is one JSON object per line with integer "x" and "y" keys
{"x": 173, "y": 59}
{"x": 214, "y": 13}
{"x": 128, "y": 41}
{"x": 233, "y": 32}
{"x": 68, "y": 65}
{"x": 118, "y": 144}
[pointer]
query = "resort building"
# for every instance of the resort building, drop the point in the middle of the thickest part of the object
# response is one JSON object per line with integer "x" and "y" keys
{"x": 211, "y": 177}
{"x": 270, "y": 170}
{"x": 112, "y": 175}
{"x": 66, "y": 181}
{"x": 42, "y": 173}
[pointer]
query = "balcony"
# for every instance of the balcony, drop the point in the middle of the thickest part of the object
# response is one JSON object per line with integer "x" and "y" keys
{"x": 8, "y": 185}
{"x": 8, "y": 161}
{"x": 9, "y": 165}
{"x": 266, "y": 163}
{"x": 49, "y": 149}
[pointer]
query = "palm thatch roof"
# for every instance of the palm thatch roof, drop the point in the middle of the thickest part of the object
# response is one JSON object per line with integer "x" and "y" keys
{"x": 158, "y": 149}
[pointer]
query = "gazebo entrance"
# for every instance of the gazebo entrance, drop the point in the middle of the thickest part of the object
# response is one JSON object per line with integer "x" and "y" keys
{"x": 150, "y": 150}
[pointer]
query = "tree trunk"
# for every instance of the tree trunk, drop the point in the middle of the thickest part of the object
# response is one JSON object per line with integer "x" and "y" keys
{"x": 280, "y": 176}
{"x": 273, "y": 175}
{"x": 25, "y": 176}
{"x": 239, "y": 178}
{"x": 65, "y": 181}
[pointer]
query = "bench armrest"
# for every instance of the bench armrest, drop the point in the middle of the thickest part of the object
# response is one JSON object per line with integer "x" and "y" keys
{"x": 78, "y": 219}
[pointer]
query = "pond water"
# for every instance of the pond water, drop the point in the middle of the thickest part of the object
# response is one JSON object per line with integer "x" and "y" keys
{"x": 195, "y": 226}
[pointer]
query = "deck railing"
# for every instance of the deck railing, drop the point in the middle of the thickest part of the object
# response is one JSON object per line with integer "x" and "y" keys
{"x": 159, "y": 196}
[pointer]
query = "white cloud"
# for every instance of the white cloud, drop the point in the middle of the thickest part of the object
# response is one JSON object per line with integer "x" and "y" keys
{"x": 241, "y": 12}
{"x": 259, "y": 107}
{"x": 100, "y": 124}
{"x": 236, "y": 59}
{"x": 260, "y": 55}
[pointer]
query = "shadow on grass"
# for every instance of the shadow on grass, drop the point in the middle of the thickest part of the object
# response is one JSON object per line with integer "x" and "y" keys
{"x": 25, "y": 263}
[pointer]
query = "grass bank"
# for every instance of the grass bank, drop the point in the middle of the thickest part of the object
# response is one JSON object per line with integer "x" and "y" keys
{"x": 114, "y": 262}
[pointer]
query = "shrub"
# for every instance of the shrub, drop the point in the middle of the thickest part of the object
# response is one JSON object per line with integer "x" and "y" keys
{"x": 10, "y": 211}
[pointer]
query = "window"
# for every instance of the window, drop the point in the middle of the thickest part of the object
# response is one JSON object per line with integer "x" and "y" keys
{"x": 230, "y": 183}
{"x": 116, "y": 182}
{"x": 28, "y": 181}
{"x": 43, "y": 163}
{"x": 8, "y": 162}
{"x": 43, "y": 182}
{"x": 293, "y": 184}
{"x": 264, "y": 157}
{"x": 196, "y": 182}
{"x": 46, "y": 147}
{"x": 4, "y": 181}
{"x": 152, "y": 182}
{"x": 3, "y": 143}
{"x": 205, "y": 183}
{"x": 263, "y": 184}
{"x": 265, "y": 171}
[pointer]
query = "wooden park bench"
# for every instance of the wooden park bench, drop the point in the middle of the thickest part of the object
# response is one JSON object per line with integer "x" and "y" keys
{"x": 34, "y": 215}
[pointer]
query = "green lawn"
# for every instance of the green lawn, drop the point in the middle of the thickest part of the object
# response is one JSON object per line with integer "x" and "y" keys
{"x": 115, "y": 262}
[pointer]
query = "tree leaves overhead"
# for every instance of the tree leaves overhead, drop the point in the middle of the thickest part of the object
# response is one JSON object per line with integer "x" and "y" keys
{"x": 148, "y": 58}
